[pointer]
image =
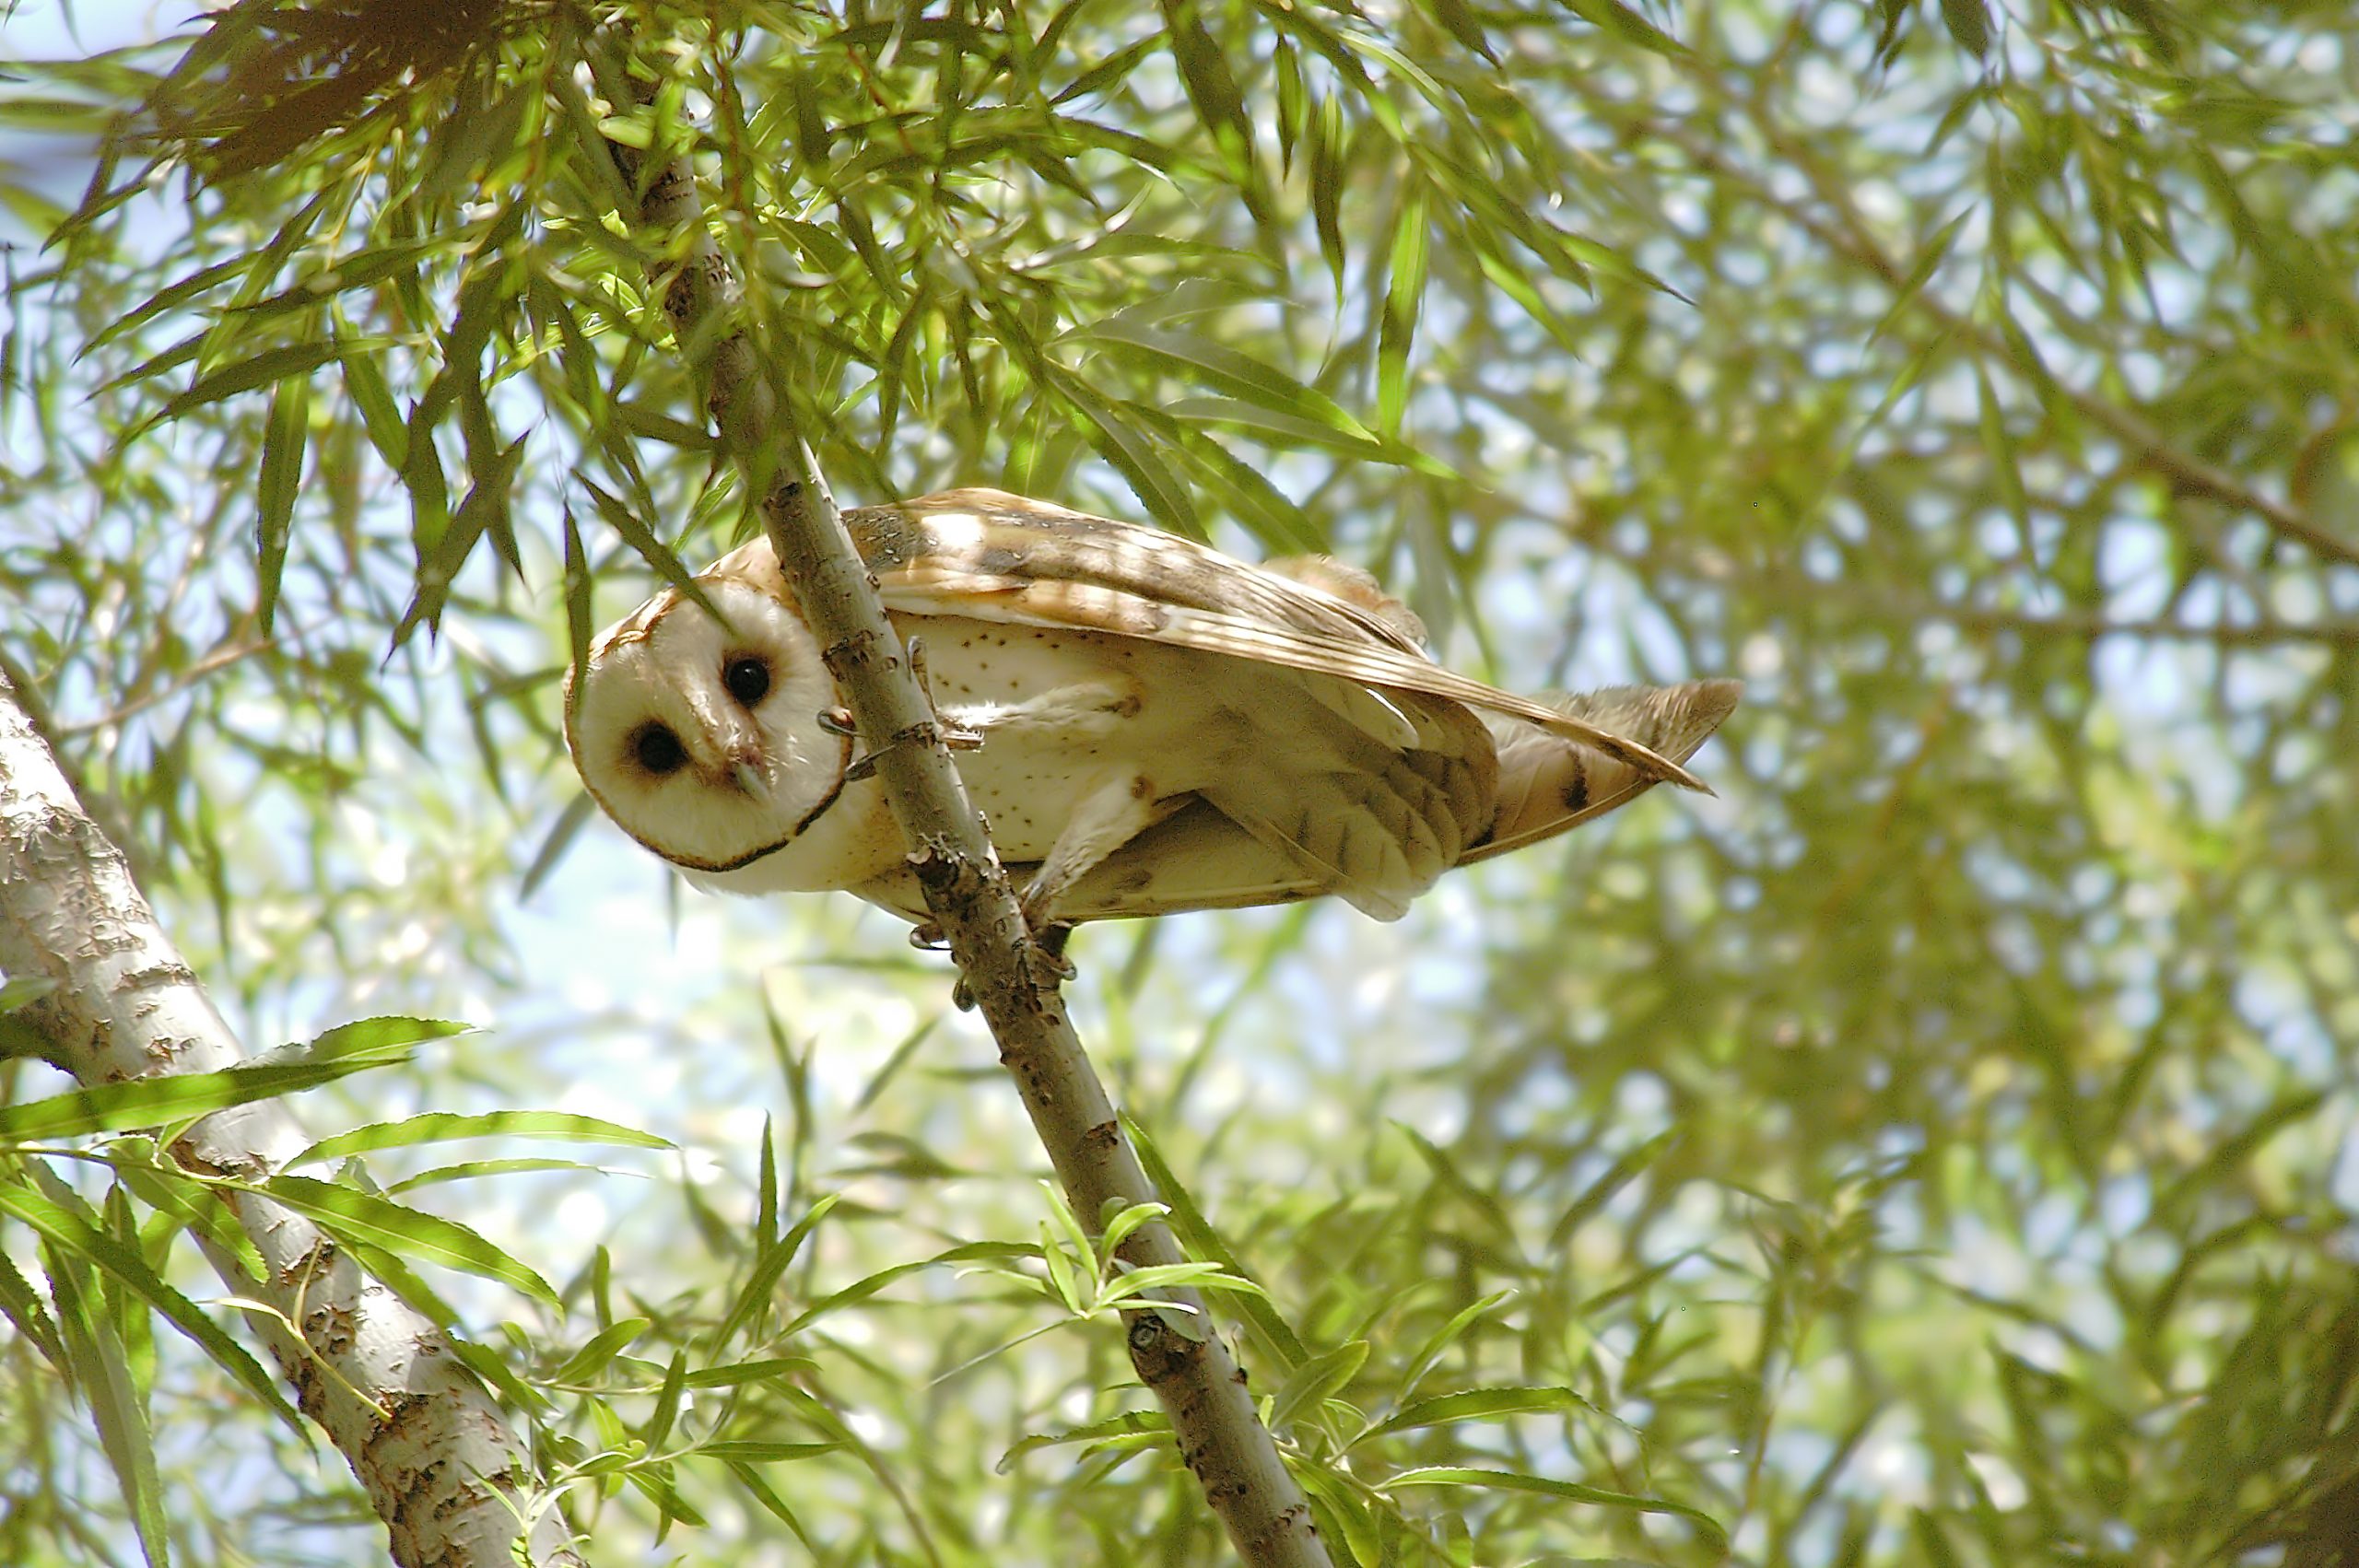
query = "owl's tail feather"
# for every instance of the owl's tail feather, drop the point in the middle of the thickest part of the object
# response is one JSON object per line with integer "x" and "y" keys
{"x": 1549, "y": 784}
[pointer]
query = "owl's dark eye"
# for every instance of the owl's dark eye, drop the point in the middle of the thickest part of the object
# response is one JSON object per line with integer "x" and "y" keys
{"x": 748, "y": 680}
{"x": 658, "y": 750}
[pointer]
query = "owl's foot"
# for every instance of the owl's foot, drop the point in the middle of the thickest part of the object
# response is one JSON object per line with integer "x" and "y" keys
{"x": 935, "y": 729}
{"x": 1048, "y": 944}
{"x": 927, "y": 936}
{"x": 1049, "y": 941}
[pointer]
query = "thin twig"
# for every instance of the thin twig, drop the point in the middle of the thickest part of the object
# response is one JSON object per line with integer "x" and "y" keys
{"x": 1851, "y": 241}
{"x": 1014, "y": 983}
{"x": 1886, "y": 606}
{"x": 219, "y": 660}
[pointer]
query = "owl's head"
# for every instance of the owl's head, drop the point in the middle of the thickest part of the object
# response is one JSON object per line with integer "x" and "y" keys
{"x": 701, "y": 736}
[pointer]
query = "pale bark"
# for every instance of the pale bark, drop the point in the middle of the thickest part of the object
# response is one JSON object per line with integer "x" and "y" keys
{"x": 1192, "y": 1372}
{"x": 429, "y": 1444}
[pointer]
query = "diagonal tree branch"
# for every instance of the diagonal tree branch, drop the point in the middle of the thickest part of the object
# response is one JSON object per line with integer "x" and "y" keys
{"x": 427, "y": 1442}
{"x": 1847, "y": 235}
{"x": 1190, "y": 1371}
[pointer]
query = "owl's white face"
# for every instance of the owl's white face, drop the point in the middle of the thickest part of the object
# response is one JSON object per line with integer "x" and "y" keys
{"x": 702, "y": 739}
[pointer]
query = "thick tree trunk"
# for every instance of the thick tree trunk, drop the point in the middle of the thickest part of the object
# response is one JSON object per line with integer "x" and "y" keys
{"x": 435, "y": 1454}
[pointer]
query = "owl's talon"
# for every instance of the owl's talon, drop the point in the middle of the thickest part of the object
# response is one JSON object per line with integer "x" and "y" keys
{"x": 927, "y": 936}
{"x": 921, "y": 734}
{"x": 1049, "y": 939}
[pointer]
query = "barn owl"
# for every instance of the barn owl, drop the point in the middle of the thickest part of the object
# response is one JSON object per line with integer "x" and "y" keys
{"x": 1153, "y": 726}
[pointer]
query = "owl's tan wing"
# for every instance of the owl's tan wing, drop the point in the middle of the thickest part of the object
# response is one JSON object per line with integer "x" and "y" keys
{"x": 993, "y": 557}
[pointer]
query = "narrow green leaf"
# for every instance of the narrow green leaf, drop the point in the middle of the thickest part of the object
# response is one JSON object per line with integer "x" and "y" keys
{"x": 591, "y": 1359}
{"x": 1599, "y": 1193}
{"x": 1294, "y": 101}
{"x": 767, "y": 1370}
{"x": 1480, "y": 1404}
{"x": 409, "y": 1232}
{"x": 71, "y": 1233}
{"x": 1511, "y": 1481}
{"x": 1109, "y": 71}
{"x": 651, "y": 550}
{"x": 1403, "y": 297}
{"x": 171, "y": 296}
{"x": 373, "y": 1038}
{"x": 276, "y": 486}
{"x": 1132, "y": 1282}
{"x": 769, "y": 1264}
{"x": 1459, "y": 20}
{"x": 1929, "y": 261}
{"x": 1310, "y": 1384}
{"x": 441, "y": 1127}
{"x": 1343, "y": 1513}
{"x": 1439, "y": 1342}
{"x": 860, "y": 1291}
{"x": 1063, "y": 1280}
{"x": 1251, "y": 416}
{"x": 1613, "y": 17}
{"x": 667, "y": 1401}
{"x": 768, "y": 1187}
{"x": 358, "y": 269}
{"x": 469, "y": 1170}
{"x": 388, "y": 432}
{"x": 23, "y": 1305}
{"x": 578, "y": 632}
{"x": 1326, "y": 138}
{"x": 1120, "y": 443}
{"x": 2006, "y": 463}
{"x": 1147, "y": 1426}
{"x": 1226, "y": 370}
{"x": 105, "y": 1380}
{"x": 1265, "y": 510}
{"x": 272, "y": 365}
{"x": 1197, "y": 1237}
{"x": 155, "y": 1102}
{"x": 749, "y": 1452}
{"x": 1220, "y": 107}
{"x": 1969, "y": 25}
{"x": 760, "y": 1489}
{"x": 1126, "y": 1221}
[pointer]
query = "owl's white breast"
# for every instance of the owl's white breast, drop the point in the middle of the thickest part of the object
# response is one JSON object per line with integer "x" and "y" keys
{"x": 1061, "y": 712}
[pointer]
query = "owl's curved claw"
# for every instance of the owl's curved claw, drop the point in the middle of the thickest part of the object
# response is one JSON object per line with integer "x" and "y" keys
{"x": 1049, "y": 939}
{"x": 927, "y": 936}
{"x": 925, "y": 733}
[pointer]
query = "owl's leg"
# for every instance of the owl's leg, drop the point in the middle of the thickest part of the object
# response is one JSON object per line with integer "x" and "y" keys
{"x": 1118, "y": 809}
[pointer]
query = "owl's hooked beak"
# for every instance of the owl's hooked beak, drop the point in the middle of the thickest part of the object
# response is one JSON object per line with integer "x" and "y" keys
{"x": 736, "y": 749}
